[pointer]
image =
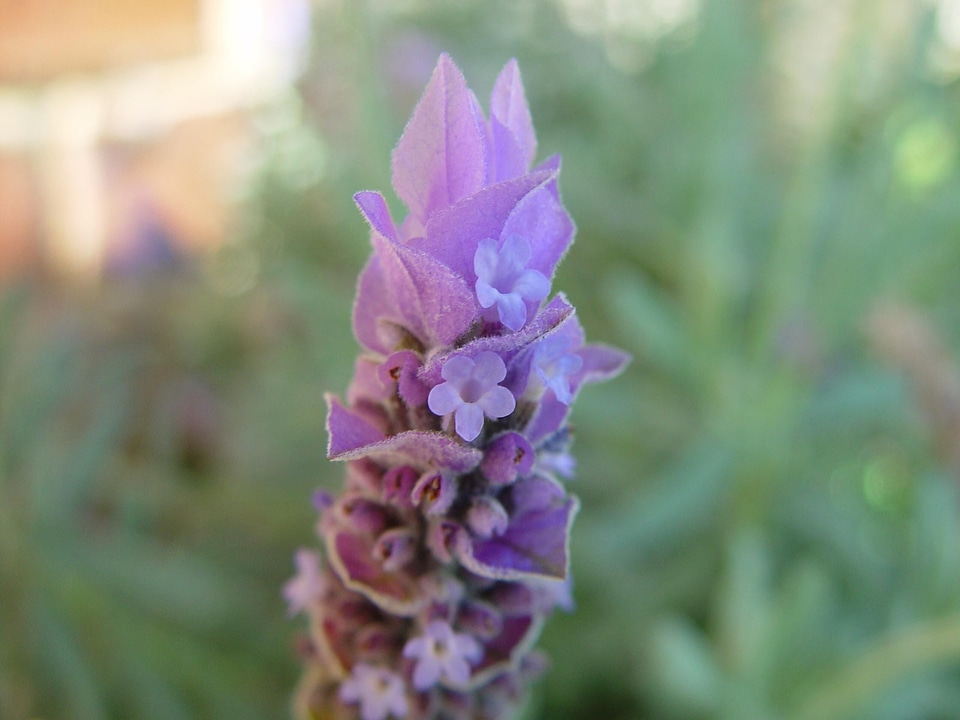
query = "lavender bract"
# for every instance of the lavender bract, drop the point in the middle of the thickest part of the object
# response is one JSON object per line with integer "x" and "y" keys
{"x": 448, "y": 547}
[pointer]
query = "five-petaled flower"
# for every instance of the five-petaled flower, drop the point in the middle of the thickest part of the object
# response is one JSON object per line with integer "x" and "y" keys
{"x": 504, "y": 280}
{"x": 442, "y": 654}
{"x": 379, "y": 692}
{"x": 472, "y": 390}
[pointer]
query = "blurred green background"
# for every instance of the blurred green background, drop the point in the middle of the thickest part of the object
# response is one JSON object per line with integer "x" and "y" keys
{"x": 768, "y": 210}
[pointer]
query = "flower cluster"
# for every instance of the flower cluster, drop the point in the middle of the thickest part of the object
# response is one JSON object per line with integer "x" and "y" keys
{"x": 448, "y": 547}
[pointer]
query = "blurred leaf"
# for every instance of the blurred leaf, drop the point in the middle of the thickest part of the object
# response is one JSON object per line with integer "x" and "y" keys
{"x": 77, "y": 687}
{"x": 649, "y": 323}
{"x": 683, "y": 502}
{"x": 681, "y": 669}
{"x": 173, "y": 583}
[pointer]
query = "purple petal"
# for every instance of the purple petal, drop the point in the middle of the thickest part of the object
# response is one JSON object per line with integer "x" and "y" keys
{"x": 347, "y": 430}
{"x": 415, "y": 647}
{"x": 458, "y": 670}
{"x": 516, "y": 251}
{"x": 506, "y": 346}
{"x": 517, "y": 636}
{"x": 489, "y": 368}
{"x": 551, "y": 164}
{"x": 537, "y": 493}
{"x": 375, "y": 210}
{"x": 532, "y": 285}
{"x": 512, "y": 311}
{"x": 452, "y": 236}
{"x": 426, "y": 674}
{"x": 497, "y": 403}
{"x": 307, "y": 585}
{"x": 541, "y": 218}
{"x": 425, "y": 297}
{"x": 469, "y": 420}
{"x": 376, "y": 324}
{"x": 468, "y": 647}
{"x": 556, "y": 364}
{"x": 601, "y": 362}
{"x": 444, "y": 399}
{"x": 354, "y": 559}
{"x": 504, "y": 279}
{"x": 549, "y": 417}
{"x": 508, "y": 105}
{"x": 553, "y": 321}
{"x": 486, "y": 258}
{"x": 459, "y": 369}
{"x": 440, "y": 157}
{"x": 487, "y": 296}
{"x": 507, "y": 158}
{"x": 421, "y": 450}
{"x": 535, "y": 543}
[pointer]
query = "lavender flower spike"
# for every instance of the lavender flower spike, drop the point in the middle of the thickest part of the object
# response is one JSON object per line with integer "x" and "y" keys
{"x": 448, "y": 547}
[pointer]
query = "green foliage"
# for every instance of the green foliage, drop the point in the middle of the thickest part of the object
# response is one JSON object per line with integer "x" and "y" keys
{"x": 771, "y": 522}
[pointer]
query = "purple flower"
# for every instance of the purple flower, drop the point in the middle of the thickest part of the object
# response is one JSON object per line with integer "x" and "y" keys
{"x": 555, "y": 366}
{"x": 380, "y": 692}
{"x": 445, "y": 523}
{"x": 307, "y": 584}
{"x": 442, "y": 654}
{"x": 504, "y": 280}
{"x": 472, "y": 391}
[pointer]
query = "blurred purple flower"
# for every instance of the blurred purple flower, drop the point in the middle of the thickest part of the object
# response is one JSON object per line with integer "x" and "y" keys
{"x": 440, "y": 653}
{"x": 379, "y": 692}
{"x": 307, "y": 584}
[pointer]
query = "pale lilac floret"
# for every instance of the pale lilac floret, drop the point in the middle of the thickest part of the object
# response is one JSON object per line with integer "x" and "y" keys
{"x": 307, "y": 584}
{"x": 472, "y": 391}
{"x": 441, "y": 653}
{"x": 379, "y": 692}
{"x": 555, "y": 365}
{"x": 504, "y": 280}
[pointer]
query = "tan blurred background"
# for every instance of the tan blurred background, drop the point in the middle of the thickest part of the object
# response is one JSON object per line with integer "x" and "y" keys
{"x": 123, "y": 125}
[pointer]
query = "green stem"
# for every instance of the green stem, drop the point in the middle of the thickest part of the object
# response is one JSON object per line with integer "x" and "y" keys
{"x": 908, "y": 650}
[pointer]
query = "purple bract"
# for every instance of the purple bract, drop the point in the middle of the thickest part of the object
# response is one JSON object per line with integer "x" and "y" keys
{"x": 448, "y": 546}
